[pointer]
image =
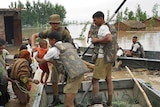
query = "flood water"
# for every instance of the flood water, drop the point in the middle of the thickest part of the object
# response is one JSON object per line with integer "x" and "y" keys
{"x": 149, "y": 40}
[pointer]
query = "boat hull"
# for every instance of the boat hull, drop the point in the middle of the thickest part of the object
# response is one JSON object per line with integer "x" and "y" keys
{"x": 151, "y": 60}
{"x": 126, "y": 92}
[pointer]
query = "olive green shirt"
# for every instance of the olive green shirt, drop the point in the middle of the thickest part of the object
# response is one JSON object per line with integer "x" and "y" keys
{"x": 65, "y": 35}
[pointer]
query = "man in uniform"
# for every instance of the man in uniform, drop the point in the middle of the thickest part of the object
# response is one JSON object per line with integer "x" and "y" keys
{"x": 106, "y": 56}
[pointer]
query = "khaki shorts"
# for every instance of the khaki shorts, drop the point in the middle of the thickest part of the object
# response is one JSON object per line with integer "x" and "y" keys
{"x": 102, "y": 69}
{"x": 73, "y": 84}
{"x": 54, "y": 74}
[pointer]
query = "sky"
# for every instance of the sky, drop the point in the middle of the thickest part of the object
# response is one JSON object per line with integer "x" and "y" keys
{"x": 82, "y": 10}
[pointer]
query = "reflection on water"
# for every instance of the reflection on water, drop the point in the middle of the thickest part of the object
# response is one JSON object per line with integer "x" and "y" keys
{"x": 150, "y": 40}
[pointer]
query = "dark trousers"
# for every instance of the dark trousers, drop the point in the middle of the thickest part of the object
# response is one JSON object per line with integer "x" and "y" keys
{"x": 4, "y": 98}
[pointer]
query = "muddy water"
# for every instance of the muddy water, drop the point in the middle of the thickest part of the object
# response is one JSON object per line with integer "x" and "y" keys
{"x": 150, "y": 39}
{"x": 151, "y": 77}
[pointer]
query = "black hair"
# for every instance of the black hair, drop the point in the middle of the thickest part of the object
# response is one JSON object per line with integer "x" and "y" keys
{"x": 54, "y": 35}
{"x": 22, "y": 47}
{"x": 135, "y": 37}
{"x": 2, "y": 42}
{"x": 98, "y": 14}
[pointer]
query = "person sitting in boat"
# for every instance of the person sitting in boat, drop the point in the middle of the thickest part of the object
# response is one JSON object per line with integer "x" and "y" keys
{"x": 72, "y": 84}
{"x": 136, "y": 49}
{"x": 21, "y": 73}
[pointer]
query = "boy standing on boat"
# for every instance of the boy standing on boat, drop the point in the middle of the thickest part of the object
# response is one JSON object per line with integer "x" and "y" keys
{"x": 106, "y": 56}
{"x": 73, "y": 84}
{"x": 55, "y": 23}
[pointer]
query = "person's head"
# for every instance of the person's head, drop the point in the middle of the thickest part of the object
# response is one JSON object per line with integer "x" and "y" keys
{"x": 43, "y": 43}
{"x": 23, "y": 46}
{"x": 53, "y": 38}
{"x": 2, "y": 45}
{"x": 24, "y": 54}
{"x": 134, "y": 39}
{"x": 55, "y": 21}
{"x": 98, "y": 18}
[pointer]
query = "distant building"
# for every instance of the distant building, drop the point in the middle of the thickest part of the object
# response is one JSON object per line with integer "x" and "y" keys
{"x": 10, "y": 26}
{"x": 130, "y": 25}
{"x": 152, "y": 22}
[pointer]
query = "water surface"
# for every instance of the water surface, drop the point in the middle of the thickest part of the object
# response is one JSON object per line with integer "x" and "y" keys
{"x": 149, "y": 40}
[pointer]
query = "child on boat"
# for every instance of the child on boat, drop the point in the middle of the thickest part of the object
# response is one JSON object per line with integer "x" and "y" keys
{"x": 41, "y": 51}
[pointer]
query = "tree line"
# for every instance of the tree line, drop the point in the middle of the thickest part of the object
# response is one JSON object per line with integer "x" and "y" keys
{"x": 138, "y": 15}
{"x": 37, "y": 13}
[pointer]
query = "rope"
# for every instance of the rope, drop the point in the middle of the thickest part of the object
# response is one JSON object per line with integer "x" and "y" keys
{"x": 22, "y": 88}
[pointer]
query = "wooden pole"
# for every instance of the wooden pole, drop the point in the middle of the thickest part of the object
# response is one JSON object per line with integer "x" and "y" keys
{"x": 89, "y": 65}
{"x": 141, "y": 89}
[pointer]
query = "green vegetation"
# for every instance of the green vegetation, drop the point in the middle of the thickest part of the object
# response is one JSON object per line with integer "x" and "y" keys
{"x": 138, "y": 15}
{"x": 37, "y": 13}
{"x": 83, "y": 30}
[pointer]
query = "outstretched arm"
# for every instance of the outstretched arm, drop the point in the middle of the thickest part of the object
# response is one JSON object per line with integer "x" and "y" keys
{"x": 33, "y": 40}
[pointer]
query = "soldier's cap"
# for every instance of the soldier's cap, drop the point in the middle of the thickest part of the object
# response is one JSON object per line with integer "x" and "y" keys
{"x": 55, "y": 18}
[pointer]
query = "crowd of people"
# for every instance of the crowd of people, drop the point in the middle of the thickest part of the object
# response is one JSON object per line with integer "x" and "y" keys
{"x": 47, "y": 52}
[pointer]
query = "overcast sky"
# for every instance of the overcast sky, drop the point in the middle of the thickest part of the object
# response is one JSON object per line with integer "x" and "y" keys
{"x": 82, "y": 10}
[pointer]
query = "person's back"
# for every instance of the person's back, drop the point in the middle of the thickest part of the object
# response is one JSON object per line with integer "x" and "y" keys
{"x": 21, "y": 72}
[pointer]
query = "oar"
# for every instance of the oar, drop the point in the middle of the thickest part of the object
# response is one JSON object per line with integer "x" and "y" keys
{"x": 141, "y": 89}
{"x": 117, "y": 10}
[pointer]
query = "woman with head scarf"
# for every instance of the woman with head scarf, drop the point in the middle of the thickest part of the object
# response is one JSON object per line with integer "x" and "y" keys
{"x": 21, "y": 73}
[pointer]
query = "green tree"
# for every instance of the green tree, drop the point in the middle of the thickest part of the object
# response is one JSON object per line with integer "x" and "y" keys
{"x": 38, "y": 13}
{"x": 126, "y": 14}
{"x": 119, "y": 17}
{"x": 155, "y": 10}
{"x": 140, "y": 15}
{"x": 131, "y": 15}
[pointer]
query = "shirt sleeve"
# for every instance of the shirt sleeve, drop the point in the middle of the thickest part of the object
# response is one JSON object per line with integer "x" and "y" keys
{"x": 103, "y": 31}
{"x": 52, "y": 53}
{"x": 135, "y": 47}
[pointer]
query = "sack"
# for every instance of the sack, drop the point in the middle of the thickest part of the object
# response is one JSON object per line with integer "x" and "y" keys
{"x": 110, "y": 48}
{"x": 72, "y": 63}
{"x": 141, "y": 50}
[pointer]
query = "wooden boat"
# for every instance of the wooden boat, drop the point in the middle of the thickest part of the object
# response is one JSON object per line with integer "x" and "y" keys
{"x": 151, "y": 60}
{"x": 126, "y": 94}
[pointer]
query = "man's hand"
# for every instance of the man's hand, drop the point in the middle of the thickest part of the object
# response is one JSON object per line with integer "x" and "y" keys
{"x": 95, "y": 40}
{"x": 35, "y": 81}
{"x": 34, "y": 48}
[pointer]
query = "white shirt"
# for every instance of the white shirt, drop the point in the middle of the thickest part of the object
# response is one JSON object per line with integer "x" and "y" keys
{"x": 102, "y": 32}
{"x": 52, "y": 53}
{"x": 135, "y": 47}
